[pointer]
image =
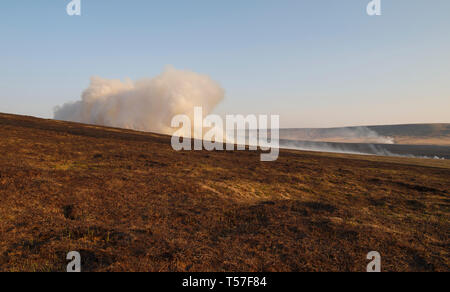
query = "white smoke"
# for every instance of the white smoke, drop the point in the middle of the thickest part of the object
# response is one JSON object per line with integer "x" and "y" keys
{"x": 339, "y": 135}
{"x": 144, "y": 105}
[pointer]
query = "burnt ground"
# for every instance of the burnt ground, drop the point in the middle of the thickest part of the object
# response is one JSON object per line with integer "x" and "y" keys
{"x": 128, "y": 202}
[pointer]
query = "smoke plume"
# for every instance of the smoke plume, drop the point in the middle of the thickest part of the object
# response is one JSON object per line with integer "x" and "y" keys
{"x": 144, "y": 105}
{"x": 342, "y": 135}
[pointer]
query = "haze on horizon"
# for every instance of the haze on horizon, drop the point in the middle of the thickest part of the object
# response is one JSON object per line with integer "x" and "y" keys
{"x": 316, "y": 63}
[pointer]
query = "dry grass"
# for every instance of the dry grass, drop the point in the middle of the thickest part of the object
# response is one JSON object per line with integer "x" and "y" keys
{"x": 128, "y": 202}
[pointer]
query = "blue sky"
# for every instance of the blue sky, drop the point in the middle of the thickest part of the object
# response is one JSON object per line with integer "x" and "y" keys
{"x": 317, "y": 63}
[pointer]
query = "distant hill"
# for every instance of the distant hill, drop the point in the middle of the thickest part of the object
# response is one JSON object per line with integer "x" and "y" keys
{"x": 414, "y": 130}
{"x": 412, "y": 134}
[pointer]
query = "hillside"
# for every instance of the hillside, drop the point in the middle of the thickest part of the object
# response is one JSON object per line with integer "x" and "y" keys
{"x": 128, "y": 202}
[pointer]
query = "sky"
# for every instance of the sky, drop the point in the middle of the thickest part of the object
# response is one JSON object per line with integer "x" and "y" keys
{"x": 316, "y": 63}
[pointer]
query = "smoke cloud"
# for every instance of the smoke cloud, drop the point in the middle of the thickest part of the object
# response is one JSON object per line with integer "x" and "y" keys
{"x": 342, "y": 135}
{"x": 145, "y": 105}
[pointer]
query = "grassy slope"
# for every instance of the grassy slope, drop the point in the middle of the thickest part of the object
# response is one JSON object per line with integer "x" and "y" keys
{"x": 128, "y": 202}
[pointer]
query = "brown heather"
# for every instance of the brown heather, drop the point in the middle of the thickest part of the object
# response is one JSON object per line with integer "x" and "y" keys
{"x": 128, "y": 202}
